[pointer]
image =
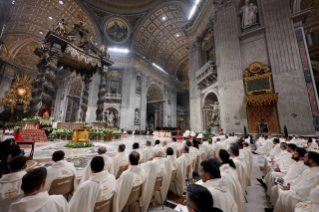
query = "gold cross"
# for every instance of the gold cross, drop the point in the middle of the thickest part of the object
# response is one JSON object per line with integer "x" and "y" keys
{"x": 174, "y": 165}
{"x": 64, "y": 173}
{"x": 104, "y": 198}
{"x": 105, "y": 189}
{"x": 9, "y": 193}
{"x": 137, "y": 180}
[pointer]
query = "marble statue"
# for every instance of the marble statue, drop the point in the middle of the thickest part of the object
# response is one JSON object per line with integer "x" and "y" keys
{"x": 215, "y": 114}
{"x": 61, "y": 27}
{"x": 110, "y": 119}
{"x": 137, "y": 118}
{"x": 138, "y": 84}
{"x": 249, "y": 14}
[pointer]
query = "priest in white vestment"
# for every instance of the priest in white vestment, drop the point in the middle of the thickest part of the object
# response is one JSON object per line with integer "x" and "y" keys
{"x": 272, "y": 155}
{"x": 244, "y": 154}
{"x": 152, "y": 170}
{"x": 121, "y": 159}
{"x": 282, "y": 162}
{"x": 136, "y": 147}
{"x": 10, "y": 184}
{"x": 100, "y": 187}
{"x": 265, "y": 148}
{"x": 35, "y": 197}
{"x": 108, "y": 165}
{"x": 240, "y": 167}
{"x": 164, "y": 147}
{"x": 147, "y": 152}
{"x": 218, "y": 146}
{"x": 189, "y": 161}
{"x": 294, "y": 170}
{"x": 158, "y": 146}
{"x": 228, "y": 172}
{"x": 199, "y": 198}
{"x": 312, "y": 205}
{"x": 312, "y": 145}
{"x": 181, "y": 172}
{"x": 213, "y": 181}
{"x": 60, "y": 169}
{"x": 175, "y": 146}
{"x": 299, "y": 189}
{"x": 130, "y": 178}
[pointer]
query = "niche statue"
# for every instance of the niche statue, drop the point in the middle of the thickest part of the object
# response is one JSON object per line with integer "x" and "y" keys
{"x": 249, "y": 15}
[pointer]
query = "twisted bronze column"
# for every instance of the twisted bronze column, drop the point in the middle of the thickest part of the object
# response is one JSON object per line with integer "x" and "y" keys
{"x": 85, "y": 97}
{"x": 36, "y": 92}
{"x": 101, "y": 100}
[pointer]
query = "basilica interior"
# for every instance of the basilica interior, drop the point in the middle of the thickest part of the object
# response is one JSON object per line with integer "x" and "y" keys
{"x": 111, "y": 72}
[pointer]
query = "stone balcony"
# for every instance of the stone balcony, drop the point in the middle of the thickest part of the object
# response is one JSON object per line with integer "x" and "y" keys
{"x": 206, "y": 76}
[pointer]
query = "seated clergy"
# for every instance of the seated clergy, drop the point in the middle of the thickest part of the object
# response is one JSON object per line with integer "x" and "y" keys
{"x": 218, "y": 146}
{"x": 175, "y": 146}
{"x": 136, "y": 147}
{"x": 60, "y": 169}
{"x": 199, "y": 199}
{"x": 35, "y": 197}
{"x": 228, "y": 172}
{"x": 244, "y": 154}
{"x": 147, "y": 152}
{"x": 120, "y": 159}
{"x": 108, "y": 164}
{"x": 100, "y": 187}
{"x": 181, "y": 171}
{"x": 282, "y": 162}
{"x": 240, "y": 166}
{"x": 157, "y": 146}
{"x": 273, "y": 155}
{"x": 130, "y": 178}
{"x": 265, "y": 147}
{"x": 212, "y": 180}
{"x": 172, "y": 158}
{"x": 164, "y": 147}
{"x": 294, "y": 170}
{"x": 309, "y": 206}
{"x": 312, "y": 144}
{"x": 10, "y": 184}
{"x": 299, "y": 189}
{"x": 188, "y": 158}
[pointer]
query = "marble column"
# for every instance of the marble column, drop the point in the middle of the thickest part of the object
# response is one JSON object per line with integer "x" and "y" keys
{"x": 101, "y": 97}
{"x": 85, "y": 97}
{"x": 37, "y": 91}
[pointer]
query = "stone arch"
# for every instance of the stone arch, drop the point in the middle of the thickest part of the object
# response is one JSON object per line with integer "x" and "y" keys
{"x": 209, "y": 110}
{"x": 154, "y": 93}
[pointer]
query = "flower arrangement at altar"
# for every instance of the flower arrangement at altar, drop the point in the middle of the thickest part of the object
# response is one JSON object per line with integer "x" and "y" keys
{"x": 118, "y": 132}
{"x": 98, "y": 122}
{"x": 33, "y": 119}
{"x": 79, "y": 145}
{"x": 16, "y": 129}
{"x": 82, "y": 122}
{"x": 48, "y": 122}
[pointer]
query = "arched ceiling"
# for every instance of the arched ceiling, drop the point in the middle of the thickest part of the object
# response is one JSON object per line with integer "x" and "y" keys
{"x": 160, "y": 39}
{"x": 29, "y": 22}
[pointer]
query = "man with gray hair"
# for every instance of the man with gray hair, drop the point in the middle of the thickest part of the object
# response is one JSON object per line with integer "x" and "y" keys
{"x": 108, "y": 164}
{"x": 148, "y": 152}
{"x": 120, "y": 160}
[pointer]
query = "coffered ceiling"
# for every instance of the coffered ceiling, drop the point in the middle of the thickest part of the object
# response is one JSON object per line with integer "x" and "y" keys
{"x": 153, "y": 28}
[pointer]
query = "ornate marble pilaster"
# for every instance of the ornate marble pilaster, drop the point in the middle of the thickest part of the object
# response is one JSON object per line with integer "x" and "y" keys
{"x": 101, "y": 100}
{"x": 85, "y": 97}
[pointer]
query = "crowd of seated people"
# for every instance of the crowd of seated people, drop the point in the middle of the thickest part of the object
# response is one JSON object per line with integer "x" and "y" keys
{"x": 223, "y": 163}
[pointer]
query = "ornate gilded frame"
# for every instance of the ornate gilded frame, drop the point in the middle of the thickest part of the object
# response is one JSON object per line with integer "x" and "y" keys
{"x": 256, "y": 77}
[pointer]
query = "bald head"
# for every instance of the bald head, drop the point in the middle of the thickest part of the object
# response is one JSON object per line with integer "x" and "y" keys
{"x": 208, "y": 157}
{"x": 158, "y": 154}
{"x": 101, "y": 150}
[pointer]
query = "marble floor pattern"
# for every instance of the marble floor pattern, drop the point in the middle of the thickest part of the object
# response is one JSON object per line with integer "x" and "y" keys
{"x": 256, "y": 195}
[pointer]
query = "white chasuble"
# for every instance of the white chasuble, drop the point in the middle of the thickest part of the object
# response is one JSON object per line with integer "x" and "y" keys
{"x": 10, "y": 189}
{"x": 152, "y": 171}
{"x": 166, "y": 180}
{"x": 233, "y": 185}
{"x": 181, "y": 171}
{"x": 121, "y": 159}
{"x": 312, "y": 205}
{"x": 175, "y": 147}
{"x": 241, "y": 172}
{"x": 108, "y": 165}
{"x": 265, "y": 148}
{"x": 58, "y": 170}
{"x": 294, "y": 171}
{"x": 100, "y": 187}
{"x": 222, "y": 197}
{"x": 41, "y": 202}
{"x": 189, "y": 163}
{"x": 299, "y": 190}
{"x": 130, "y": 178}
{"x": 140, "y": 152}
{"x": 147, "y": 154}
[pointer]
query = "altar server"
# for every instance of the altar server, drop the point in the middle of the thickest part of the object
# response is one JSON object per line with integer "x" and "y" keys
{"x": 130, "y": 178}
{"x": 100, "y": 187}
{"x": 108, "y": 164}
{"x": 120, "y": 159}
{"x": 35, "y": 197}
{"x": 212, "y": 180}
{"x": 10, "y": 184}
{"x": 60, "y": 169}
{"x": 147, "y": 152}
{"x": 299, "y": 189}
